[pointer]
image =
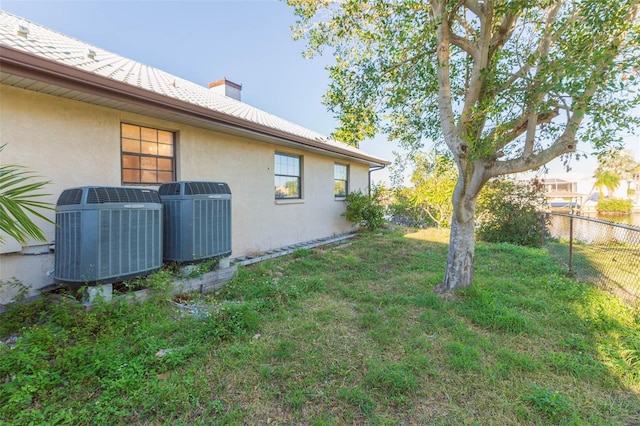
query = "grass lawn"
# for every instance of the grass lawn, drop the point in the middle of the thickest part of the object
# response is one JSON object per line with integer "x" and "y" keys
{"x": 333, "y": 336}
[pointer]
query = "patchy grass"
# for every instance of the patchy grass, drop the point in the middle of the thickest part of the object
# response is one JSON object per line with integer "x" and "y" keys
{"x": 351, "y": 335}
{"x": 612, "y": 265}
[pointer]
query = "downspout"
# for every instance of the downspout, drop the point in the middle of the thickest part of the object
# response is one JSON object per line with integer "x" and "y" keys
{"x": 373, "y": 169}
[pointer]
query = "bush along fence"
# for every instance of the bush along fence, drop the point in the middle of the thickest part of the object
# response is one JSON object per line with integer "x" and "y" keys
{"x": 601, "y": 252}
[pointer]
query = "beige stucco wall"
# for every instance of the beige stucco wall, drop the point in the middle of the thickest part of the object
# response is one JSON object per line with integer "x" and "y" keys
{"x": 76, "y": 144}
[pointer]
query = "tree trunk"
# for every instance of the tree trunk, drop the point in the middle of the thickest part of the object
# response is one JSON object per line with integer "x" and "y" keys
{"x": 459, "y": 273}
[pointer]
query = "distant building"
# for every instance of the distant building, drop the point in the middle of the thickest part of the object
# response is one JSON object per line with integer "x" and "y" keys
{"x": 577, "y": 192}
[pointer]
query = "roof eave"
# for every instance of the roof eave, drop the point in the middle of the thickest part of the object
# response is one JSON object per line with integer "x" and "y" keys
{"x": 30, "y": 66}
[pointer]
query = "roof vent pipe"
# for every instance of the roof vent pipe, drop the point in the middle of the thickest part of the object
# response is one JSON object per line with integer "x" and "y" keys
{"x": 226, "y": 88}
{"x": 22, "y": 30}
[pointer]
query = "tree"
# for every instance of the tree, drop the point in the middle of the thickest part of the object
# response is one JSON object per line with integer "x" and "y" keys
{"x": 17, "y": 201}
{"x": 427, "y": 202}
{"x": 434, "y": 179}
{"x": 615, "y": 163}
{"x": 618, "y": 160}
{"x": 606, "y": 179}
{"x": 507, "y": 85}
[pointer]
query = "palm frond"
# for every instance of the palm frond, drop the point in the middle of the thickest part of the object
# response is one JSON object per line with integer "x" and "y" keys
{"x": 17, "y": 203}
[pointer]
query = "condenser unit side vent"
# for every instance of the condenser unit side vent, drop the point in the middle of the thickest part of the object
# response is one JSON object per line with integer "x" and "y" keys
{"x": 68, "y": 254}
{"x": 136, "y": 245}
{"x": 211, "y": 227}
{"x": 172, "y": 233}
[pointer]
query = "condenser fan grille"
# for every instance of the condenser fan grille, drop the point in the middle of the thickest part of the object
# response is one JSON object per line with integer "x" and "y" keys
{"x": 69, "y": 197}
{"x": 121, "y": 195}
{"x": 195, "y": 188}
{"x": 169, "y": 189}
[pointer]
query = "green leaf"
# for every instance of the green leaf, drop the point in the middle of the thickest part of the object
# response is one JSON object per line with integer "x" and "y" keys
{"x": 17, "y": 204}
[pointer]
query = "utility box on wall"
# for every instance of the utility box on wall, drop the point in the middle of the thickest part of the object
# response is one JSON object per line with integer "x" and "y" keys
{"x": 107, "y": 234}
{"x": 197, "y": 220}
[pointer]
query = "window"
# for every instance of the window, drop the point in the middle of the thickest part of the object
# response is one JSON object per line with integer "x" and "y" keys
{"x": 287, "y": 174}
{"x": 147, "y": 155}
{"x": 340, "y": 180}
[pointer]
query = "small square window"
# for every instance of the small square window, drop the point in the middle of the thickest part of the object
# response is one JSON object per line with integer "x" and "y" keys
{"x": 147, "y": 155}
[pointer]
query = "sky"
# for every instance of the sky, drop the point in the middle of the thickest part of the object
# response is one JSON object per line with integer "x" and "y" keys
{"x": 248, "y": 42}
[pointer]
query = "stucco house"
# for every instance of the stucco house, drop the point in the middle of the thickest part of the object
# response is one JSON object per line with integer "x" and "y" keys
{"x": 78, "y": 115}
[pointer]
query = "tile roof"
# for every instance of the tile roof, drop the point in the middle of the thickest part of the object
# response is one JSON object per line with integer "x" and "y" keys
{"x": 27, "y": 36}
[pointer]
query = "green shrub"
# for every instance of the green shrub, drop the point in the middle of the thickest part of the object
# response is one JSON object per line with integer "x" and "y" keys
{"x": 405, "y": 212}
{"x": 509, "y": 212}
{"x": 364, "y": 210}
{"x": 614, "y": 205}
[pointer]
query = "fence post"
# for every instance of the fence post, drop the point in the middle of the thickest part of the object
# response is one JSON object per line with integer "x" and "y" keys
{"x": 571, "y": 244}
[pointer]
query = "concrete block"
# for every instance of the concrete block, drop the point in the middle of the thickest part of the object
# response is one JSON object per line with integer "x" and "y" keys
{"x": 224, "y": 263}
{"x": 104, "y": 291}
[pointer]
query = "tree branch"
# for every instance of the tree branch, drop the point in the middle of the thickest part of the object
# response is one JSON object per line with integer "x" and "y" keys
{"x": 454, "y": 10}
{"x": 543, "y": 47}
{"x": 520, "y": 126}
{"x": 562, "y": 145}
{"x": 464, "y": 24}
{"x": 480, "y": 62}
{"x": 566, "y": 142}
{"x": 451, "y": 135}
{"x": 504, "y": 32}
{"x": 412, "y": 59}
{"x": 463, "y": 44}
{"x": 475, "y": 7}
{"x": 532, "y": 124}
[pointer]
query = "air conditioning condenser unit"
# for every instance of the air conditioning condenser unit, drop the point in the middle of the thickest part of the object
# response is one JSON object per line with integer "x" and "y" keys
{"x": 197, "y": 220}
{"x": 107, "y": 234}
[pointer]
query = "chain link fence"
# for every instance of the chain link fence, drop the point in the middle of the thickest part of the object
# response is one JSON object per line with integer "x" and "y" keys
{"x": 604, "y": 253}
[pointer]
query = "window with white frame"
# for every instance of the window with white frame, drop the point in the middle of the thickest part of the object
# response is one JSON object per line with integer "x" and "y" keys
{"x": 340, "y": 180}
{"x": 288, "y": 176}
